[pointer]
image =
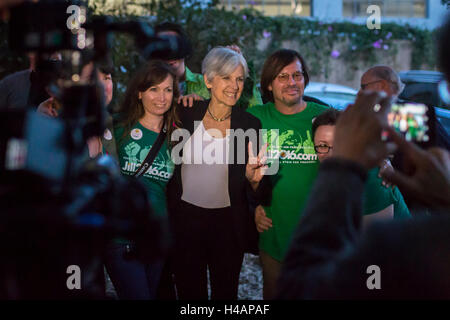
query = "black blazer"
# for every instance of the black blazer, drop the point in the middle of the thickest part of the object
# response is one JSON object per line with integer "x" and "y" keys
{"x": 240, "y": 191}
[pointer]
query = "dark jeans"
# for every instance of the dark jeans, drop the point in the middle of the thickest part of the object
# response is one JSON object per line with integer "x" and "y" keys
{"x": 132, "y": 279}
{"x": 205, "y": 238}
{"x": 166, "y": 289}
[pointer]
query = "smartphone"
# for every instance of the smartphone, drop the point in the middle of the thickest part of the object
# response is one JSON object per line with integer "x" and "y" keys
{"x": 415, "y": 121}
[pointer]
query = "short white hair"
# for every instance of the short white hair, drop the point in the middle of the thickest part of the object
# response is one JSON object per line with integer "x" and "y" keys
{"x": 221, "y": 61}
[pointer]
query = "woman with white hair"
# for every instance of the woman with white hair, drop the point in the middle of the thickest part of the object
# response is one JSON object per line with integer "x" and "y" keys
{"x": 208, "y": 195}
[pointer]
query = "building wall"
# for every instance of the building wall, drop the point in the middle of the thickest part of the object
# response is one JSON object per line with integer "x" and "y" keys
{"x": 327, "y": 9}
{"x": 341, "y": 72}
{"x": 331, "y": 10}
{"x": 297, "y": 8}
{"x": 324, "y": 10}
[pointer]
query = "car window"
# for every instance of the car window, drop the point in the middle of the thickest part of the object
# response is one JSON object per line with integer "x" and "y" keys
{"x": 337, "y": 100}
{"x": 422, "y": 93}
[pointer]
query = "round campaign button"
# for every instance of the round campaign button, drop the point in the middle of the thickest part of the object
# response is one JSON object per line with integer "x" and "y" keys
{"x": 107, "y": 135}
{"x": 136, "y": 134}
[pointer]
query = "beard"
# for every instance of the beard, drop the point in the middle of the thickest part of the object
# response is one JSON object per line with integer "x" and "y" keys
{"x": 290, "y": 101}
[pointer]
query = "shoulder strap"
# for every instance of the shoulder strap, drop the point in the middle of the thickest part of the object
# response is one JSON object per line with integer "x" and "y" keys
{"x": 151, "y": 154}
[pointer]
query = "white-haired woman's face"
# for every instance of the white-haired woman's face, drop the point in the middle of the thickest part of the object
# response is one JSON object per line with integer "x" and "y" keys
{"x": 227, "y": 90}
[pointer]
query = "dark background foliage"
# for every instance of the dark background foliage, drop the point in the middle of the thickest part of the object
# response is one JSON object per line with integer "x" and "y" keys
{"x": 257, "y": 35}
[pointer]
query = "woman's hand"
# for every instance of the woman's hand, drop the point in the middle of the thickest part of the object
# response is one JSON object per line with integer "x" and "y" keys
{"x": 235, "y": 47}
{"x": 47, "y": 108}
{"x": 262, "y": 222}
{"x": 188, "y": 100}
{"x": 385, "y": 166}
{"x": 256, "y": 166}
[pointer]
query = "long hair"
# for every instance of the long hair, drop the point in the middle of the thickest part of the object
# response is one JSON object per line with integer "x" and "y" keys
{"x": 131, "y": 110}
{"x": 273, "y": 66}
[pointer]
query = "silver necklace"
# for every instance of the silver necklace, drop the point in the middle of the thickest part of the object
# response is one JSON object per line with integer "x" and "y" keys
{"x": 218, "y": 119}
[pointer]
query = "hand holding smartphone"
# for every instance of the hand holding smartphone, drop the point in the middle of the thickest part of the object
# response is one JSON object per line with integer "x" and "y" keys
{"x": 415, "y": 121}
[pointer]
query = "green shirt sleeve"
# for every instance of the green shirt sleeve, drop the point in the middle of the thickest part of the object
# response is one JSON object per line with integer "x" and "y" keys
{"x": 256, "y": 98}
{"x": 376, "y": 197}
{"x": 195, "y": 84}
{"x": 401, "y": 210}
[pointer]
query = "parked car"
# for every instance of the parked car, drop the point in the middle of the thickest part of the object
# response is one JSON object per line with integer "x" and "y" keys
{"x": 420, "y": 86}
{"x": 423, "y": 86}
{"x": 335, "y": 95}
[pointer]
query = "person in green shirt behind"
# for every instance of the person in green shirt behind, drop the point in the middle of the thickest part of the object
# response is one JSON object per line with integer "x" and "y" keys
{"x": 379, "y": 202}
{"x": 192, "y": 86}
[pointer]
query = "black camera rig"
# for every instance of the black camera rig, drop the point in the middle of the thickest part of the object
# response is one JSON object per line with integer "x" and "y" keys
{"x": 57, "y": 209}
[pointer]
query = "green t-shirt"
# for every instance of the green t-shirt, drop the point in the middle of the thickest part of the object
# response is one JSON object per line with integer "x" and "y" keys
{"x": 376, "y": 197}
{"x": 132, "y": 150}
{"x": 298, "y": 167}
{"x": 195, "y": 84}
{"x": 401, "y": 210}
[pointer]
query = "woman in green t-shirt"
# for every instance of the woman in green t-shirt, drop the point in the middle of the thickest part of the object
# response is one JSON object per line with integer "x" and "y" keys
{"x": 148, "y": 107}
{"x": 379, "y": 202}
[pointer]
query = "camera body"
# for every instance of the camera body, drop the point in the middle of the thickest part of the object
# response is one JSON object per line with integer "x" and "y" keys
{"x": 57, "y": 208}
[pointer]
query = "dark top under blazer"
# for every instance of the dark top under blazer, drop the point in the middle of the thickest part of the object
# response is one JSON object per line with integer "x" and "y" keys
{"x": 239, "y": 188}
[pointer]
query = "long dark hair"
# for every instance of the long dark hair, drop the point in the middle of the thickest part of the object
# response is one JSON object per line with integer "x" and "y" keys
{"x": 131, "y": 110}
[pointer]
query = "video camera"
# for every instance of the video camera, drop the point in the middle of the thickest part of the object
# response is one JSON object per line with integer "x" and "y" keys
{"x": 57, "y": 208}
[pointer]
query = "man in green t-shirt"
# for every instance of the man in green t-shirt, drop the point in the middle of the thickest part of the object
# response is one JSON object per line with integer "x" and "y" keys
{"x": 283, "y": 80}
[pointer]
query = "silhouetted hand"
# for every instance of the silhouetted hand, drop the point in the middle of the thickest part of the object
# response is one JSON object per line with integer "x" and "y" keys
{"x": 359, "y": 129}
{"x": 429, "y": 179}
{"x": 385, "y": 166}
